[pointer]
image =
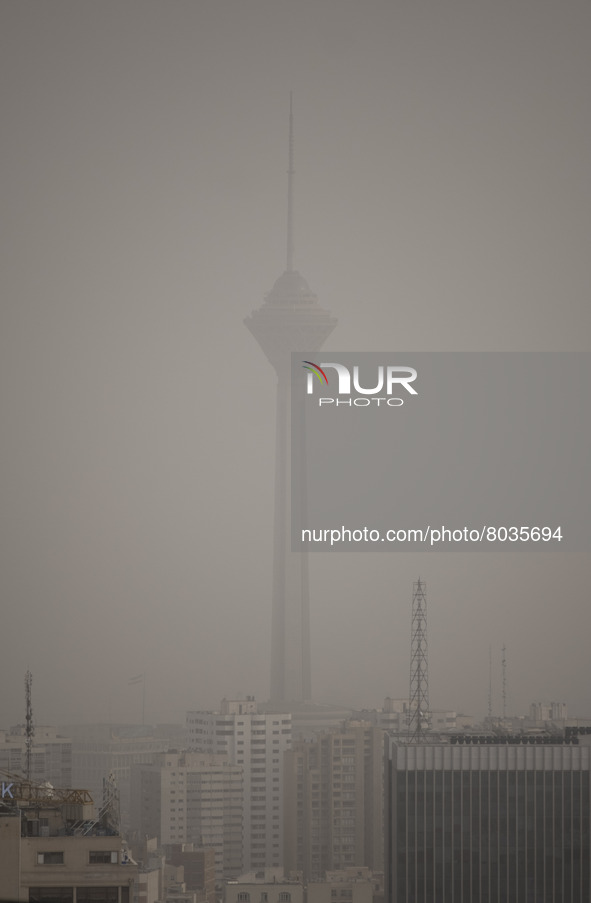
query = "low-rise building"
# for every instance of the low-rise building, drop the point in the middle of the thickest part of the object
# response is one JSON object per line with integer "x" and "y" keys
{"x": 198, "y": 865}
{"x": 50, "y": 852}
{"x": 264, "y": 886}
{"x": 356, "y": 885}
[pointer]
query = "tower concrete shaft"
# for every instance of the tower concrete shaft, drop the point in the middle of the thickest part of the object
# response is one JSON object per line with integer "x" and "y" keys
{"x": 290, "y": 319}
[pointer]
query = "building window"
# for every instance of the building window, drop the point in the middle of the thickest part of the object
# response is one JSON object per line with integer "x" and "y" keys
{"x": 284, "y": 897}
{"x": 243, "y": 897}
{"x": 96, "y": 856}
{"x": 98, "y": 894}
{"x": 50, "y": 858}
{"x": 51, "y": 894}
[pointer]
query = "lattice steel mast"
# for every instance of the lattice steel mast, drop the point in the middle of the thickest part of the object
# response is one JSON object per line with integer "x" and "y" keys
{"x": 504, "y": 665}
{"x": 29, "y": 729}
{"x": 418, "y": 703}
{"x": 490, "y": 706}
{"x": 290, "y": 175}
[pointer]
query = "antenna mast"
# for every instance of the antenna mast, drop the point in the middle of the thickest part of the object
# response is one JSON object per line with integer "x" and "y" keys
{"x": 290, "y": 175}
{"x": 29, "y": 730}
{"x": 418, "y": 703}
{"x": 504, "y": 663}
{"x": 489, "y": 683}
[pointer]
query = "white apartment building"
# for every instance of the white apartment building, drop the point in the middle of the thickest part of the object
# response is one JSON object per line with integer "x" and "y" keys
{"x": 257, "y": 742}
{"x": 192, "y": 798}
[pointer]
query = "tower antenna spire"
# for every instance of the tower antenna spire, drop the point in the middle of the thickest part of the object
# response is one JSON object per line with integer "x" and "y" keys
{"x": 290, "y": 175}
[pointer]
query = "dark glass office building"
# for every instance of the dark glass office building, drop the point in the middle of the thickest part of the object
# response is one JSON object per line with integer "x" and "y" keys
{"x": 485, "y": 823}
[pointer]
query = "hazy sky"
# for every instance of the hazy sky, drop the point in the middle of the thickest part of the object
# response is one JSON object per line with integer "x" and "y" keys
{"x": 443, "y": 202}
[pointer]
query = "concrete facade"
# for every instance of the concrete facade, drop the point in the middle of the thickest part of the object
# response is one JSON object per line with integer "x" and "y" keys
{"x": 333, "y": 802}
{"x": 64, "y": 868}
{"x": 51, "y": 754}
{"x": 256, "y": 742}
{"x": 192, "y": 798}
{"x": 343, "y": 886}
{"x": 269, "y": 887}
{"x": 198, "y": 869}
{"x": 100, "y": 750}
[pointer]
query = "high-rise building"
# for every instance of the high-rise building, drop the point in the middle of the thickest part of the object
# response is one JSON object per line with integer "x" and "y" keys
{"x": 290, "y": 319}
{"x": 100, "y": 750}
{"x": 548, "y": 711}
{"x": 192, "y": 798}
{"x": 51, "y": 755}
{"x": 353, "y": 885}
{"x": 392, "y": 717}
{"x": 333, "y": 801}
{"x": 268, "y": 886}
{"x": 487, "y": 821}
{"x": 256, "y": 742}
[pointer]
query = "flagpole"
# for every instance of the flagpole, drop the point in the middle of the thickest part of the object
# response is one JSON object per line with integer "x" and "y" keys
{"x": 136, "y": 680}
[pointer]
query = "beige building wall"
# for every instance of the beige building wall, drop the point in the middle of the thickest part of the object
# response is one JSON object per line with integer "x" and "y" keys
{"x": 150, "y": 886}
{"x": 34, "y": 862}
{"x": 10, "y": 865}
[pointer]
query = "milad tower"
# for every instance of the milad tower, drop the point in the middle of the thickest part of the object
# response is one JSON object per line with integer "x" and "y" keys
{"x": 290, "y": 319}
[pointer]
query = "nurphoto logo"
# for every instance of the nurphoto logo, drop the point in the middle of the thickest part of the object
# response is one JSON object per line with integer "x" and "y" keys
{"x": 386, "y": 379}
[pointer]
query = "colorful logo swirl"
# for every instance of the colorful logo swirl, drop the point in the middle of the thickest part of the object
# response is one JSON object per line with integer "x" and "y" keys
{"x": 315, "y": 369}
